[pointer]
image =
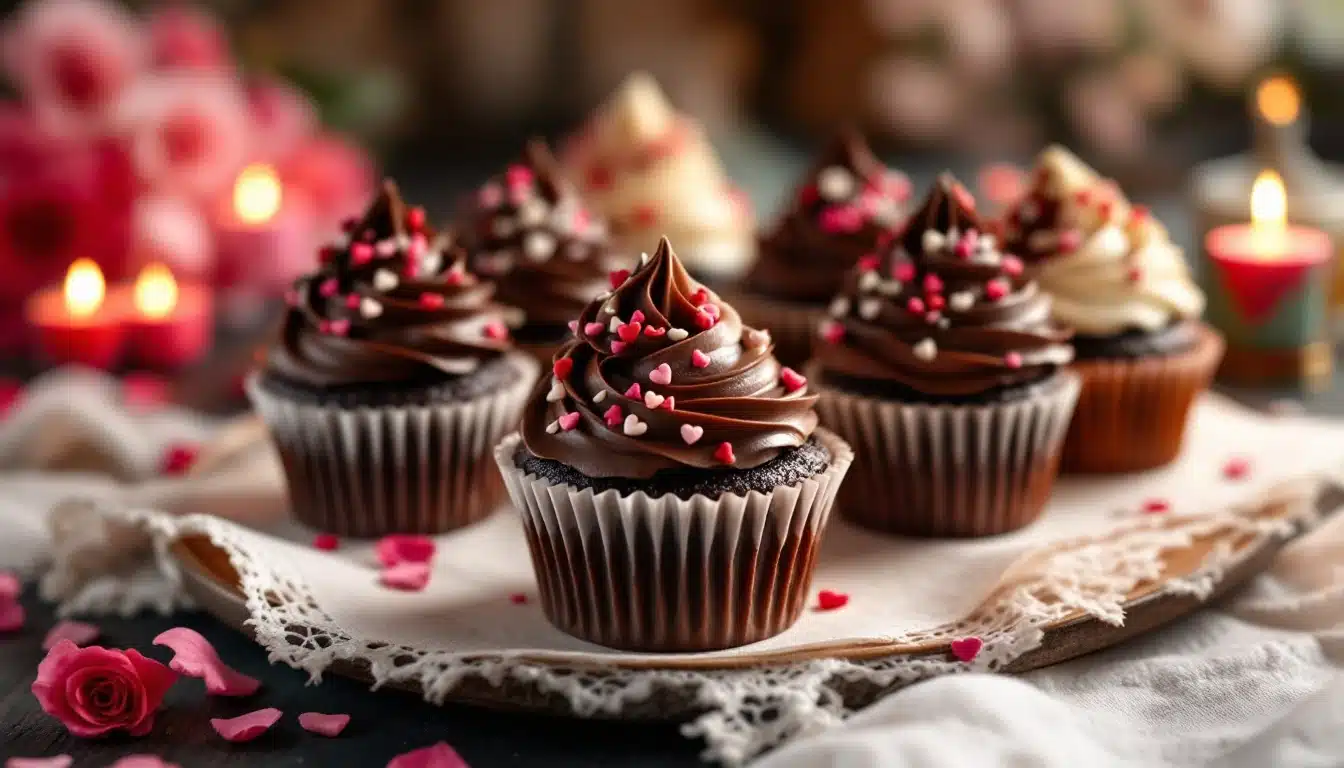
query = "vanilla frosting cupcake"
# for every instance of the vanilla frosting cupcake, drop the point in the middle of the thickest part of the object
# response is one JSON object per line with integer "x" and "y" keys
{"x": 1116, "y": 278}
{"x": 651, "y": 172}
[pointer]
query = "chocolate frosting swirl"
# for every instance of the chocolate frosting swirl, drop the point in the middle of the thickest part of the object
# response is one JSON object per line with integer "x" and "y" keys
{"x": 663, "y": 375}
{"x": 392, "y": 303}
{"x": 943, "y": 312}
{"x": 528, "y": 229}
{"x": 849, "y": 205}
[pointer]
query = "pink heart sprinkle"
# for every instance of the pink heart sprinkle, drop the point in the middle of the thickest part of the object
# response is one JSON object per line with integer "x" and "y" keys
{"x": 361, "y": 254}
{"x": 78, "y": 632}
{"x": 495, "y": 331}
{"x": 327, "y": 542}
{"x": 724, "y": 453}
{"x": 246, "y": 727}
{"x": 833, "y": 332}
{"x": 178, "y": 458}
{"x": 338, "y": 327}
{"x": 967, "y": 648}
{"x": 830, "y": 601}
{"x": 593, "y": 330}
{"x": 407, "y": 577}
{"x": 996, "y": 289}
{"x": 518, "y": 598}
{"x": 933, "y": 283}
{"x": 617, "y": 347}
{"x": 869, "y": 263}
{"x": 699, "y": 359}
{"x": 59, "y": 761}
{"x": 438, "y": 756}
{"x": 661, "y": 375}
{"x": 518, "y": 176}
{"x": 352, "y": 301}
{"x": 669, "y": 404}
{"x": 634, "y": 392}
{"x": 569, "y": 421}
{"x": 1156, "y": 506}
{"x": 143, "y": 761}
{"x": 194, "y": 656}
{"x": 613, "y": 416}
{"x": 654, "y": 331}
{"x": 398, "y": 548}
{"x": 1236, "y": 468}
{"x": 431, "y": 300}
{"x": 704, "y": 320}
{"x": 327, "y": 288}
{"x": 324, "y": 725}
{"x": 904, "y": 271}
{"x": 690, "y": 434}
{"x": 792, "y": 380}
{"x": 1013, "y": 360}
{"x": 12, "y": 616}
{"x": 1011, "y": 265}
{"x": 637, "y": 316}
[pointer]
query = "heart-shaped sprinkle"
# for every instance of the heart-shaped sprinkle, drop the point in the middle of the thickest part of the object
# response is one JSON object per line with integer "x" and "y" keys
{"x": 335, "y": 327}
{"x": 496, "y": 331}
{"x": 903, "y": 271}
{"x": 933, "y": 240}
{"x": 677, "y": 334}
{"x": 385, "y": 280}
{"x": 829, "y": 601}
{"x": 699, "y": 359}
{"x": 967, "y": 648}
{"x": 634, "y": 427}
{"x": 569, "y": 420}
{"x": 704, "y": 320}
{"x": 712, "y": 310}
{"x": 615, "y": 323}
{"x": 1236, "y": 468}
{"x": 1069, "y": 240}
{"x": 792, "y": 380}
{"x": 634, "y": 392}
{"x": 653, "y": 399}
{"x": 617, "y": 346}
{"x": 563, "y": 367}
{"x": 618, "y": 278}
{"x": 613, "y": 416}
{"x": 926, "y": 350}
{"x": 690, "y": 433}
{"x": 756, "y": 339}
{"x": 937, "y": 302}
{"x": 361, "y": 254}
{"x": 654, "y": 331}
{"x": 869, "y": 282}
{"x": 629, "y": 331}
{"x": 1155, "y": 506}
{"x": 724, "y": 453}
{"x": 352, "y": 301}
{"x": 557, "y": 392}
{"x": 869, "y": 262}
{"x": 431, "y": 300}
{"x": 933, "y": 283}
{"x": 1013, "y": 360}
{"x": 327, "y": 288}
{"x": 996, "y": 289}
{"x": 593, "y": 330}
{"x": 661, "y": 375}
{"x": 839, "y": 306}
{"x": 406, "y": 577}
{"x": 1012, "y": 266}
{"x": 869, "y": 309}
{"x": 832, "y": 332}
{"x": 326, "y": 542}
{"x": 370, "y": 308}
{"x": 961, "y": 300}
{"x": 670, "y": 404}
{"x": 637, "y": 316}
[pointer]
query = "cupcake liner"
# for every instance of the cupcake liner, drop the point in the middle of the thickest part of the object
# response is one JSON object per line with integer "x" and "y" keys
{"x": 1132, "y": 413}
{"x": 949, "y": 470}
{"x": 671, "y": 574}
{"x": 792, "y": 325}
{"x": 368, "y": 471}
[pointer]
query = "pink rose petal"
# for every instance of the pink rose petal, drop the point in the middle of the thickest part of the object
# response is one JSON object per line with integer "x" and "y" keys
{"x": 326, "y": 725}
{"x": 10, "y": 586}
{"x": 12, "y": 616}
{"x": 59, "y": 761}
{"x": 142, "y": 761}
{"x": 194, "y": 656}
{"x": 409, "y": 577}
{"x": 77, "y": 632}
{"x": 404, "y": 548}
{"x": 246, "y": 727}
{"x": 438, "y": 756}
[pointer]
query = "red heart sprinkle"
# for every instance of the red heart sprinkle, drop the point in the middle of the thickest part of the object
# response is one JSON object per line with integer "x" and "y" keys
{"x": 829, "y": 601}
{"x": 1138, "y": 213}
{"x": 699, "y": 359}
{"x": 431, "y": 300}
{"x": 996, "y": 289}
{"x": 967, "y": 648}
{"x": 518, "y": 176}
{"x": 328, "y": 287}
{"x": 563, "y": 367}
{"x": 613, "y": 416}
{"x": 628, "y": 331}
{"x": 634, "y": 392}
{"x": 933, "y": 283}
{"x": 637, "y": 316}
{"x": 869, "y": 263}
{"x": 1134, "y": 274}
{"x": 710, "y": 309}
{"x": 704, "y": 321}
{"x": 724, "y": 453}
{"x": 1236, "y": 468}
{"x": 415, "y": 218}
{"x": 669, "y": 404}
{"x": 1011, "y": 266}
{"x": 352, "y": 301}
{"x": 618, "y": 278}
{"x": 617, "y": 347}
{"x": 793, "y": 381}
{"x": 915, "y": 305}
{"x": 833, "y": 332}
{"x": 361, "y": 253}
{"x": 495, "y": 331}
{"x": 963, "y": 248}
{"x": 327, "y": 542}
{"x": 936, "y": 302}
{"x": 654, "y": 332}
{"x": 1156, "y": 506}
{"x": 518, "y": 598}
{"x": 904, "y": 271}
{"x": 700, "y": 296}
{"x": 178, "y": 458}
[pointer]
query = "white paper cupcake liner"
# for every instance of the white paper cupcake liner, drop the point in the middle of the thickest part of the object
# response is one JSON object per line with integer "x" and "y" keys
{"x": 368, "y": 471}
{"x": 670, "y": 574}
{"x": 950, "y": 470}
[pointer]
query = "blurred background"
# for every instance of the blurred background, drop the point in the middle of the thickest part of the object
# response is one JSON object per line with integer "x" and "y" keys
{"x": 128, "y": 131}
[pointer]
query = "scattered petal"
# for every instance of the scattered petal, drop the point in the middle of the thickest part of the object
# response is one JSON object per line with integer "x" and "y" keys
{"x": 12, "y": 616}
{"x": 398, "y": 548}
{"x": 967, "y": 648}
{"x": 325, "y": 725}
{"x": 438, "y": 756}
{"x": 408, "y": 577}
{"x": 59, "y": 761}
{"x": 194, "y": 656}
{"x": 143, "y": 761}
{"x": 246, "y": 727}
{"x": 78, "y": 632}
{"x": 829, "y": 601}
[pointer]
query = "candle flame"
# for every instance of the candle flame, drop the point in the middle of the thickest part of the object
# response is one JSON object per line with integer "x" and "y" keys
{"x": 1269, "y": 214}
{"x": 84, "y": 288}
{"x": 155, "y": 292}
{"x": 1278, "y": 100}
{"x": 257, "y": 195}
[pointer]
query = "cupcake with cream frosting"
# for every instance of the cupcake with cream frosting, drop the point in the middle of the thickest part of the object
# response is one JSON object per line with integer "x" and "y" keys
{"x": 651, "y": 172}
{"x": 1116, "y": 278}
{"x": 670, "y": 472}
{"x": 941, "y": 365}
{"x": 392, "y": 376}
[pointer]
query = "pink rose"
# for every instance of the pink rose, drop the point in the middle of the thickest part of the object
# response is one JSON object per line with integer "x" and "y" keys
{"x": 94, "y": 691}
{"x": 184, "y": 37}
{"x": 336, "y": 175}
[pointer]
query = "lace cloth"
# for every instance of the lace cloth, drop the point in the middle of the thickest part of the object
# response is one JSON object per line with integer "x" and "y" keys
{"x": 463, "y": 634}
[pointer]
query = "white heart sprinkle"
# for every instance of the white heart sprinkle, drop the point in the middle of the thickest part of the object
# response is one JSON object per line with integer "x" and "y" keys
{"x": 502, "y": 227}
{"x": 891, "y": 288}
{"x": 532, "y": 212}
{"x": 385, "y": 248}
{"x": 835, "y": 183}
{"x": 553, "y": 427}
{"x": 653, "y": 399}
{"x": 869, "y": 281}
{"x": 961, "y": 300}
{"x": 661, "y": 375}
{"x": 384, "y": 280}
{"x": 600, "y": 396}
{"x": 933, "y": 240}
{"x": 953, "y": 234}
{"x": 987, "y": 242}
{"x": 431, "y": 262}
{"x": 539, "y": 246}
{"x": 757, "y": 338}
{"x": 634, "y": 427}
{"x": 691, "y": 433}
{"x": 370, "y": 308}
{"x": 614, "y": 324}
{"x": 926, "y": 350}
{"x": 869, "y": 309}
{"x": 677, "y": 334}
{"x": 557, "y": 392}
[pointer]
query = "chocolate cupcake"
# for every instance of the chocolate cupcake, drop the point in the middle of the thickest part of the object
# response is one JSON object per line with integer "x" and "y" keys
{"x": 390, "y": 381}
{"x": 528, "y": 230}
{"x": 673, "y": 484}
{"x": 1116, "y": 278}
{"x": 940, "y": 364}
{"x": 849, "y": 206}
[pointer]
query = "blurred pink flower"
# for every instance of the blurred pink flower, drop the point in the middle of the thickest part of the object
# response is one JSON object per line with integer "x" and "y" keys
{"x": 913, "y": 97}
{"x": 1051, "y": 28}
{"x": 189, "y": 132}
{"x": 172, "y": 231}
{"x": 980, "y": 38}
{"x": 185, "y": 37}
{"x": 1106, "y": 117}
{"x": 336, "y": 176}
{"x": 72, "y": 60}
{"x": 282, "y": 116}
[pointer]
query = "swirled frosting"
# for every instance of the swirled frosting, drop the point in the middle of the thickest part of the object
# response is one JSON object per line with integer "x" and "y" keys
{"x": 848, "y": 206}
{"x": 528, "y": 230}
{"x": 391, "y": 303}
{"x": 943, "y": 312}
{"x": 1109, "y": 265}
{"x": 663, "y": 375}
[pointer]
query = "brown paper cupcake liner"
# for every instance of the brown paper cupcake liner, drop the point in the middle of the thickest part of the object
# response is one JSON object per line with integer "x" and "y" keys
{"x": 668, "y": 574}
{"x": 369, "y": 471}
{"x": 1132, "y": 413}
{"x": 792, "y": 325}
{"x": 949, "y": 470}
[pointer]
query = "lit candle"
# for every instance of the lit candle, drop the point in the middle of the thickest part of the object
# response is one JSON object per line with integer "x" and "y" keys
{"x": 171, "y": 325}
{"x": 264, "y": 234}
{"x": 1267, "y": 291}
{"x": 81, "y": 321}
